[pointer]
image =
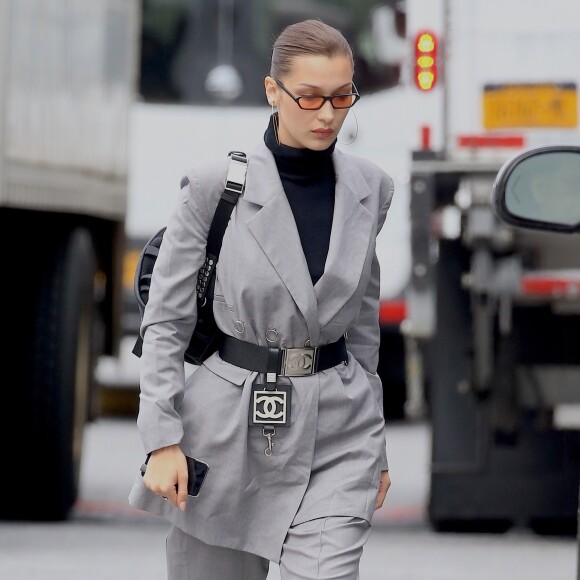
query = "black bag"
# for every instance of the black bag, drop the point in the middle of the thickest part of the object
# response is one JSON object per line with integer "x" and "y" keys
{"x": 206, "y": 336}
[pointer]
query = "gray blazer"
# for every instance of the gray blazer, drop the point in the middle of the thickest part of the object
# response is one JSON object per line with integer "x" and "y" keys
{"x": 328, "y": 461}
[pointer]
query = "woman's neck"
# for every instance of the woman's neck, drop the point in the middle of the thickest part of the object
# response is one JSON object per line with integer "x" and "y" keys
{"x": 296, "y": 160}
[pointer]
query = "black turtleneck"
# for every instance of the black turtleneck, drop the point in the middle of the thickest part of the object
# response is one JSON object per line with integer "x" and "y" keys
{"x": 308, "y": 180}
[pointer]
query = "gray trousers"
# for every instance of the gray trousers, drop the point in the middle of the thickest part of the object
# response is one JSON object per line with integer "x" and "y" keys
{"x": 321, "y": 549}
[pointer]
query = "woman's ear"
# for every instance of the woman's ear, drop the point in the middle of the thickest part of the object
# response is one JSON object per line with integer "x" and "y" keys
{"x": 271, "y": 91}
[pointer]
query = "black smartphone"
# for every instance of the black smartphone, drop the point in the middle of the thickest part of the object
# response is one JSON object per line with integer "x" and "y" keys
{"x": 197, "y": 470}
{"x": 196, "y": 473}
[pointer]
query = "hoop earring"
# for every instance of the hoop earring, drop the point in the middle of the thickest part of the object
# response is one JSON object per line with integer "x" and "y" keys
{"x": 275, "y": 123}
{"x": 355, "y": 133}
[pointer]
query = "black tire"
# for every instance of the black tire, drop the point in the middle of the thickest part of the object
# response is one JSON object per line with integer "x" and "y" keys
{"x": 391, "y": 370}
{"x": 454, "y": 416}
{"x": 567, "y": 527}
{"x": 52, "y": 369}
{"x": 472, "y": 526}
{"x": 479, "y": 481}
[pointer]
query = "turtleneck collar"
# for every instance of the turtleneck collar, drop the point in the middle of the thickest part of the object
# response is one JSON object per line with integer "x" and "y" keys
{"x": 300, "y": 162}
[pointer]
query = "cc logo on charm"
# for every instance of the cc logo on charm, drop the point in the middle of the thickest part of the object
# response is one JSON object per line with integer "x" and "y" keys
{"x": 269, "y": 407}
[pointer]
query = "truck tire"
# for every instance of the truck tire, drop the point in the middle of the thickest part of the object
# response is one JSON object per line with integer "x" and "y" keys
{"x": 391, "y": 370}
{"x": 478, "y": 482}
{"x": 456, "y": 418}
{"x": 52, "y": 370}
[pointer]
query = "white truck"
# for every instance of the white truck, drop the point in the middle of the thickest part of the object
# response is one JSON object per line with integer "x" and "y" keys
{"x": 493, "y": 310}
{"x": 68, "y": 76}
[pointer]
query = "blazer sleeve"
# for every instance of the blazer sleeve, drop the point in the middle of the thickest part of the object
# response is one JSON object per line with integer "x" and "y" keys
{"x": 169, "y": 319}
{"x": 364, "y": 336}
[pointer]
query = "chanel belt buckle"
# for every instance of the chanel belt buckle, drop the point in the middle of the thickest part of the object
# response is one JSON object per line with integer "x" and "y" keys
{"x": 299, "y": 362}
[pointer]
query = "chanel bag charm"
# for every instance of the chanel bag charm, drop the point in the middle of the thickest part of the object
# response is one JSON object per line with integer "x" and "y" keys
{"x": 270, "y": 406}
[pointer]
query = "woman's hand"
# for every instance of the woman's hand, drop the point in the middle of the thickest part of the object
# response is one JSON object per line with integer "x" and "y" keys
{"x": 166, "y": 475}
{"x": 384, "y": 485}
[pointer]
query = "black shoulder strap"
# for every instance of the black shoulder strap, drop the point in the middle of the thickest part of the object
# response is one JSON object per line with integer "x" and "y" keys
{"x": 235, "y": 183}
{"x": 234, "y": 187}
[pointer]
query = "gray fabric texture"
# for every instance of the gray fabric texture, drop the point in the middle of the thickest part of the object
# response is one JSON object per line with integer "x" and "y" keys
{"x": 190, "y": 559}
{"x": 327, "y": 548}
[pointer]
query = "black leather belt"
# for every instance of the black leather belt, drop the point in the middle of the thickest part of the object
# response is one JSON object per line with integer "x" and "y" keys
{"x": 285, "y": 362}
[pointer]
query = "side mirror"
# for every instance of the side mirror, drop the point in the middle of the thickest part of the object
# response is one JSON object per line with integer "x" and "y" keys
{"x": 540, "y": 189}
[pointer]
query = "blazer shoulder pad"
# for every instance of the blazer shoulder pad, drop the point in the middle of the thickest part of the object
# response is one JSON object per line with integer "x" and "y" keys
{"x": 376, "y": 177}
{"x": 369, "y": 168}
{"x": 208, "y": 174}
{"x": 207, "y": 180}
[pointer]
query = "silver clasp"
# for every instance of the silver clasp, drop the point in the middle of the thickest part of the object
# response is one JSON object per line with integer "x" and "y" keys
{"x": 268, "y": 433}
{"x": 299, "y": 362}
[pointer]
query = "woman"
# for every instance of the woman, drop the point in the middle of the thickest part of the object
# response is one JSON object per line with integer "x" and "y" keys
{"x": 297, "y": 270}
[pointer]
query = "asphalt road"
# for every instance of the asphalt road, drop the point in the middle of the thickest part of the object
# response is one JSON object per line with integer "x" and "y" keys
{"x": 106, "y": 539}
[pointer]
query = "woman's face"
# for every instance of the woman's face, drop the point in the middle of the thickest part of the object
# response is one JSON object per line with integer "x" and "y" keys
{"x": 311, "y": 75}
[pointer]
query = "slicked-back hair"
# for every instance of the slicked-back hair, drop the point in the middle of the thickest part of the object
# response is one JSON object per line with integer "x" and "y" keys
{"x": 309, "y": 37}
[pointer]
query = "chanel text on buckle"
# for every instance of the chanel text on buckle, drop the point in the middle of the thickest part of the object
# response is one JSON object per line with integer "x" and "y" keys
{"x": 298, "y": 362}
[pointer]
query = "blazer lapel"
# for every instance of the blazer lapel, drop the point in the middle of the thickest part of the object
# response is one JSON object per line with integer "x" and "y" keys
{"x": 274, "y": 229}
{"x": 352, "y": 227}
